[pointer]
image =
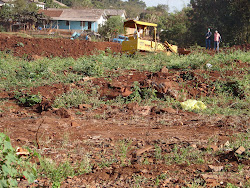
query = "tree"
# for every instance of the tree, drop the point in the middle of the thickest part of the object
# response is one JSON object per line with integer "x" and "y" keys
{"x": 6, "y": 16}
{"x": 176, "y": 28}
{"x": 112, "y": 27}
{"x": 229, "y": 17}
{"x": 154, "y": 14}
{"x": 21, "y": 12}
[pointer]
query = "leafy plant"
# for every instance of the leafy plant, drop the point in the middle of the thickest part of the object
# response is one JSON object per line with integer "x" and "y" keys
{"x": 20, "y": 44}
{"x": 158, "y": 154}
{"x": 55, "y": 173}
{"x": 28, "y": 99}
{"x": 123, "y": 150}
{"x": 12, "y": 166}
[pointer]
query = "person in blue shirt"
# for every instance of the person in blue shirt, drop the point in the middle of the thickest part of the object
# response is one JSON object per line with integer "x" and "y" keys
{"x": 87, "y": 37}
{"x": 208, "y": 39}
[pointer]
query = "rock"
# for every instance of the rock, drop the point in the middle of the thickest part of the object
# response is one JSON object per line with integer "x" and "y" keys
{"x": 211, "y": 180}
{"x": 144, "y": 110}
{"x": 240, "y": 150}
{"x": 87, "y": 78}
{"x": 74, "y": 124}
{"x": 172, "y": 93}
{"x": 227, "y": 144}
{"x": 36, "y": 57}
{"x": 164, "y": 70}
{"x": 214, "y": 147}
{"x": 132, "y": 106}
{"x": 21, "y": 151}
{"x": 150, "y": 160}
{"x": 63, "y": 113}
{"x": 84, "y": 106}
{"x": 215, "y": 168}
{"x": 141, "y": 151}
{"x": 168, "y": 110}
{"x": 126, "y": 92}
{"x": 144, "y": 171}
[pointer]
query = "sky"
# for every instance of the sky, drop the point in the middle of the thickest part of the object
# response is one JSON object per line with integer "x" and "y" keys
{"x": 173, "y": 4}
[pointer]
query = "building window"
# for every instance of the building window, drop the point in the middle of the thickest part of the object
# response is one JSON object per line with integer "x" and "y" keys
{"x": 67, "y": 23}
{"x": 89, "y": 25}
{"x": 82, "y": 23}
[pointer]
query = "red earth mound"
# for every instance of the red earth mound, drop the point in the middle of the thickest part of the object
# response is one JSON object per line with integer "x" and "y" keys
{"x": 45, "y": 47}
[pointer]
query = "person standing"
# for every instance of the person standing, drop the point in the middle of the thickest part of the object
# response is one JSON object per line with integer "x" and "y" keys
{"x": 208, "y": 39}
{"x": 217, "y": 39}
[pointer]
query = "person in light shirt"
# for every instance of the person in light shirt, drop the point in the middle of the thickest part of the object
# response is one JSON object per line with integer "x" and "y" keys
{"x": 217, "y": 39}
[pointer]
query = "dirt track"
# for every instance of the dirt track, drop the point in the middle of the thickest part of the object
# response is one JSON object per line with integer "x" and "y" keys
{"x": 71, "y": 134}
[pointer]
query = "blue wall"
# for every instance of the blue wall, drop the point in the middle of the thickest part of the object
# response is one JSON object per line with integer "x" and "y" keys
{"x": 74, "y": 25}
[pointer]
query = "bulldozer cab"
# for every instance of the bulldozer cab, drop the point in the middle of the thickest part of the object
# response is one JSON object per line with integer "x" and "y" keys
{"x": 142, "y": 37}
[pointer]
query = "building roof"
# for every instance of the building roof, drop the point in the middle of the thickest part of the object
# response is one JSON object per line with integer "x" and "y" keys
{"x": 74, "y": 14}
{"x": 115, "y": 12}
{"x": 51, "y": 13}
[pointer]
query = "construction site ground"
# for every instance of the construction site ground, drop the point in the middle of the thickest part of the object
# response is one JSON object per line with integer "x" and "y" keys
{"x": 156, "y": 136}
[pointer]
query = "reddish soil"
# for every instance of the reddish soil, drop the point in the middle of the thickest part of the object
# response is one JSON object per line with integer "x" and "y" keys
{"x": 36, "y": 47}
{"x": 71, "y": 134}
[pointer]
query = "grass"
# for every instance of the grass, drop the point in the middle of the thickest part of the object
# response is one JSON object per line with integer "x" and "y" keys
{"x": 17, "y": 73}
{"x": 182, "y": 155}
{"x": 20, "y": 34}
{"x": 51, "y": 70}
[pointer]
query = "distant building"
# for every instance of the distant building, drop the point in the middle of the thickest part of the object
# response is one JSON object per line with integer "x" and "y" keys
{"x": 79, "y": 19}
{"x": 75, "y": 19}
{"x": 40, "y": 5}
{"x": 116, "y": 12}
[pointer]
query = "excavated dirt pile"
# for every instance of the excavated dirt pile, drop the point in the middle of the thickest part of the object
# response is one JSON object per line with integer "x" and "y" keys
{"x": 33, "y": 48}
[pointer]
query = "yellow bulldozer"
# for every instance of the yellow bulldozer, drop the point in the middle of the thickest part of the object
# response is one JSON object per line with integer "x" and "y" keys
{"x": 138, "y": 33}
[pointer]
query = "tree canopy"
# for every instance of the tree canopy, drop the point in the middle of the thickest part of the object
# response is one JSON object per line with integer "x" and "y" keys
{"x": 112, "y": 27}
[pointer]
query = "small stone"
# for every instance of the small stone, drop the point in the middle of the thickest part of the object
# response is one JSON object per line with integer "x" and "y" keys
{"x": 21, "y": 151}
{"x": 227, "y": 144}
{"x": 74, "y": 124}
{"x": 214, "y": 147}
{"x": 141, "y": 151}
{"x": 63, "y": 113}
{"x": 164, "y": 70}
{"x": 168, "y": 110}
{"x": 144, "y": 110}
{"x": 193, "y": 145}
{"x": 215, "y": 168}
{"x": 144, "y": 171}
{"x": 126, "y": 92}
{"x": 240, "y": 150}
{"x": 84, "y": 106}
{"x": 172, "y": 93}
{"x": 87, "y": 78}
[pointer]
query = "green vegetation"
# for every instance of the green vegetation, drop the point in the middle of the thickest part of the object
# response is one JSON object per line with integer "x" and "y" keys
{"x": 112, "y": 27}
{"x": 184, "y": 155}
{"x": 13, "y": 166}
{"x": 28, "y": 99}
{"x": 231, "y": 95}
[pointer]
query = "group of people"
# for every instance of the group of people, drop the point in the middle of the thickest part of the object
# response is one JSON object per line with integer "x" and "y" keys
{"x": 217, "y": 40}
